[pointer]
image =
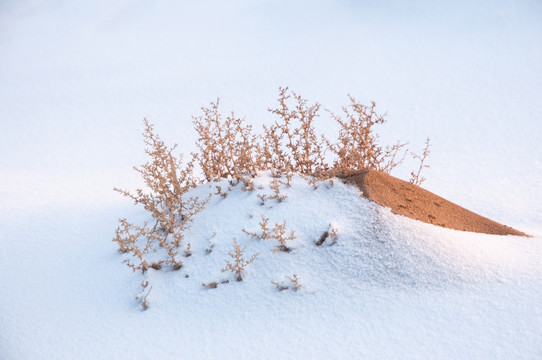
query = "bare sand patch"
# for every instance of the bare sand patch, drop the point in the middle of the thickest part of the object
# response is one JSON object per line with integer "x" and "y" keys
{"x": 409, "y": 200}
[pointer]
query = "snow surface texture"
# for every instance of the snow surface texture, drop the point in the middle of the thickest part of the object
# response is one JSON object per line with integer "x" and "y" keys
{"x": 77, "y": 77}
{"x": 387, "y": 286}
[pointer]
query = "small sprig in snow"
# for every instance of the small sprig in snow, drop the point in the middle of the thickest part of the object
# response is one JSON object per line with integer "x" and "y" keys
{"x": 239, "y": 263}
{"x": 278, "y": 232}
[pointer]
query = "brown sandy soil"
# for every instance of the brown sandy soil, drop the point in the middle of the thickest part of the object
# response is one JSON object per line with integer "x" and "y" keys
{"x": 414, "y": 202}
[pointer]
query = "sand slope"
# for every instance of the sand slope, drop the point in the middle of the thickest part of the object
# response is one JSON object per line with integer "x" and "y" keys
{"x": 414, "y": 202}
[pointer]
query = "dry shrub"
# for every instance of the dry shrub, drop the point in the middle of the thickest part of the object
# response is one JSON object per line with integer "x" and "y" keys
{"x": 239, "y": 263}
{"x": 210, "y": 248}
{"x": 322, "y": 238}
{"x": 331, "y": 233}
{"x": 296, "y": 285}
{"x": 221, "y": 193}
{"x": 262, "y": 198}
{"x": 139, "y": 241}
{"x": 280, "y": 286}
{"x": 266, "y": 232}
{"x": 278, "y": 232}
{"x": 274, "y": 185}
{"x": 228, "y": 149}
{"x": 415, "y": 177}
{"x": 125, "y": 236}
{"x": 143, "y": 297}
{"x": 167, "y": 180}
{"x": 211, "y": 285}
{"x": 295, "y": 282}
{"x": 214, "y": 284}
{"x": 290, "y": 145}
{"x": 188, "y": 250}
{"x": 357, "y": 147}
{"x": 315, "y": 180}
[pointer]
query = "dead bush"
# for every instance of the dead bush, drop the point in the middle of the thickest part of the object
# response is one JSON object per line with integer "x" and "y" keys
{"x": 279, "y": 286}
{"x": 214, "y": 284}
{"x": 415, "y": 177}
{"x": 290, "y": 145}
{"x": 322, "y": 238}
{"x": 211, "y": 285}
{"x": 210, "y": 248}
{"x": 142, "y": 298}
{"x": 239, "y": 263}
{"x": 330, "y": 233}
{"x": 274, "y": 185}
{"x": 278, "y": 232}
{"x": 357, "y": 147}
{"x": 168, "y": 181}
{"x": 295, "y": 284}
{"x": 227, "y": 147}
{"x": 221, "y": 193}
{"x": 188, "y": 250}
{"x": 266, "y": 232}
{"x": 134, "y": 239}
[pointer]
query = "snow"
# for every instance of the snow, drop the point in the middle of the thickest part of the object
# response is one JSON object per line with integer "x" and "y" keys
{"x": 388, "y": 287}
{"x": 76, "y": 80}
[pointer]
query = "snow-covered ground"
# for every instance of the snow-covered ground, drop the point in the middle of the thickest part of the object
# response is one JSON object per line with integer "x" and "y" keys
{"x": 76, "y": 78}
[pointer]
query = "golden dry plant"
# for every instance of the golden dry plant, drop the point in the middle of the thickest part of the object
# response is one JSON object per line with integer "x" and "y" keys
{"x": 142, "y": 298}
{"x": 278, "y": 232}
{"x": 331, "y": 233}
{"x": 295, "y": 282}
{"x": 227, "y": 147}
{"x": 291, "y": 145}
{"x": 357, "y": 147}
{"x": 415, "y": 177}
{"x": 219, "y": 192}
{"x": 239, "y": 263}
{"x": 296, "y": 285}
{"x": 214, "y": 284}
{"x": 168, "y": 181}
{"x": 274, "y": 185}
{"x": 266, "y": 232}
{"x": 279, "y": 286}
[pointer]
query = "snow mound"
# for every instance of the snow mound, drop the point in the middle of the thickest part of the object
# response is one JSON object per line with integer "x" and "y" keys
{"x": 385, "y": 286}
{"x": 372, "y": 246}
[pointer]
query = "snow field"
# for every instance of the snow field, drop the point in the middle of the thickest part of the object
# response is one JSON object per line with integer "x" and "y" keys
{"x": 76, "y": 78}
{"x": 389, "y": 287}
